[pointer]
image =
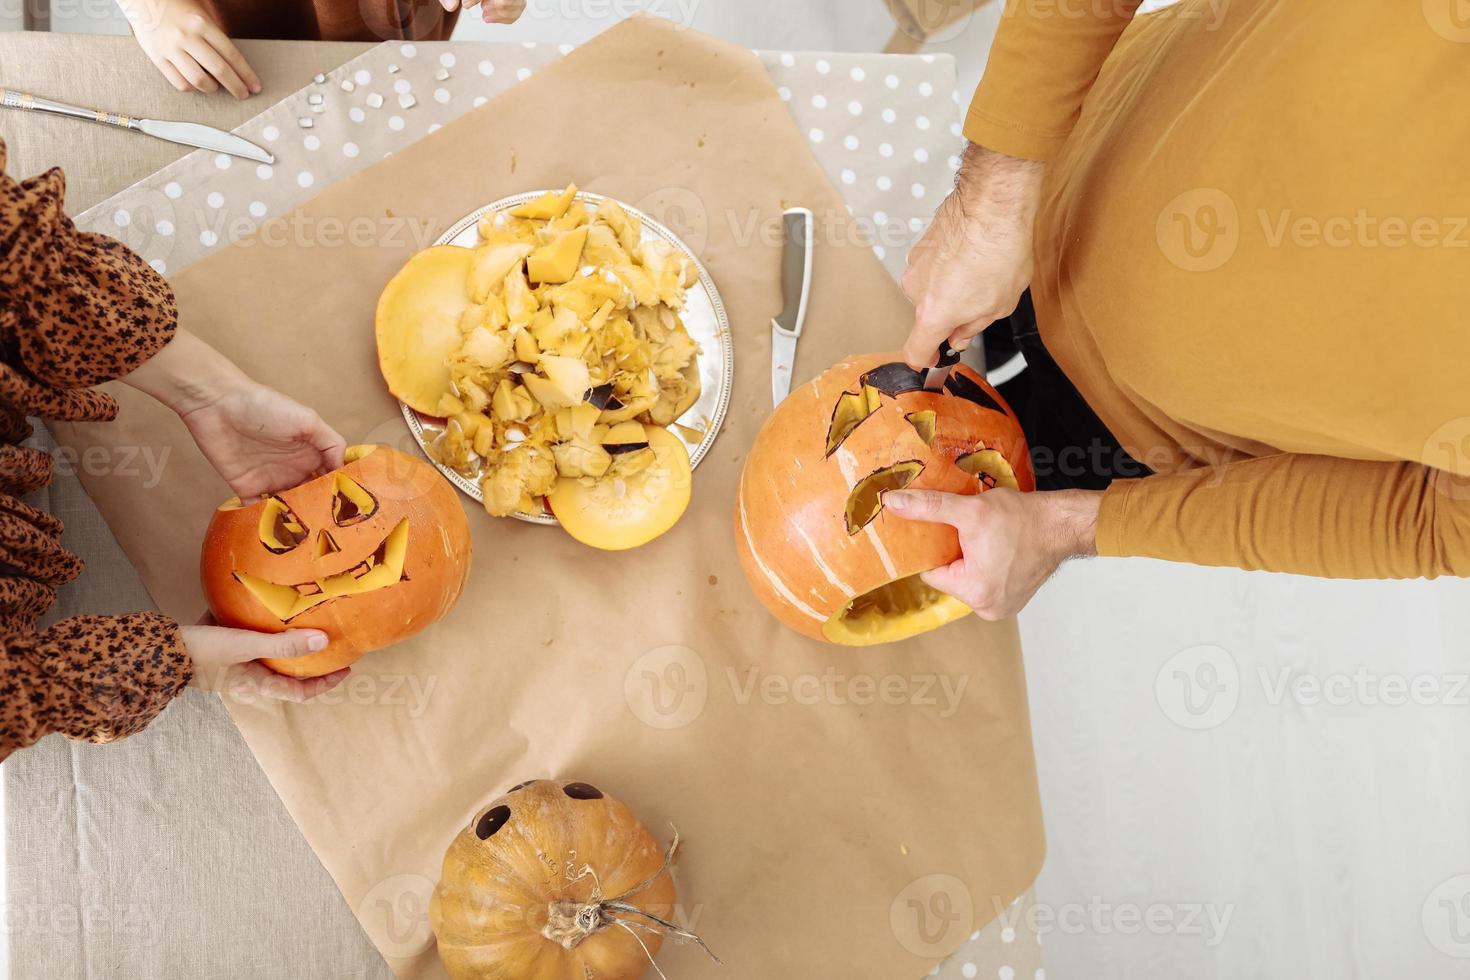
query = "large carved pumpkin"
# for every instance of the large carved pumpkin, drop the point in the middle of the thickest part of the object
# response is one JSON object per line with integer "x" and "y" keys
{"x": 553, "y": 881}
{"x": 814, "y": 539}
{"x": 371, "y": 554}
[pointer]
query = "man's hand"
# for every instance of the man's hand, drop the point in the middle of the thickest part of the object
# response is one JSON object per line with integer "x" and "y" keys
{"x": 971, "y": 267}
{"x": 1011, "y": 542}
{"x": 183, "y": 41}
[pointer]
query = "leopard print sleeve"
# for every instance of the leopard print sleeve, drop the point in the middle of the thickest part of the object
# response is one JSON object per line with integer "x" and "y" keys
{"x": 75, "y": 310}
{"x": 97, "y": 678}
{"x": 78, "y": 308}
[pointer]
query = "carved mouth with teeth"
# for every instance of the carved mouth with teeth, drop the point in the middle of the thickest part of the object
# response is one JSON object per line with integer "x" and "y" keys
{"x": 282, "y": 532}
{"x": 382, "y": 568}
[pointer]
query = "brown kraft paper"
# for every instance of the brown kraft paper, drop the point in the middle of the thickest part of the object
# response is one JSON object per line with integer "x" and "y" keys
{"x": 866, "y": 807}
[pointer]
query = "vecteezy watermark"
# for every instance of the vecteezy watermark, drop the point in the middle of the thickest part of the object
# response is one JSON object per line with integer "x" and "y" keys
{"x": 395, "y": 913}
{"x": 1198, "y": 687}
{"x": 833, "y": 687}
{"x": 1450, "y": 19}
{"x": 1201, "y": 229}
{"x": 1445, "y": 916}
{"x": 67, "y": 921}
{"x": 143, "y": 464}
{"x": 1448, "y": 450}
{"x": 667, "y": 687}
{"x": 1207, "y": 921}
{"x": 932, "y": 915}
{"x": 678, "y": 12}
{"x": 931, "y": 21}
{"x": 410, "y": 693}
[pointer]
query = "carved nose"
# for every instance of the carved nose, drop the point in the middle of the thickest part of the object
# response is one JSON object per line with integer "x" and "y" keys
{"x": 325, "y": 544}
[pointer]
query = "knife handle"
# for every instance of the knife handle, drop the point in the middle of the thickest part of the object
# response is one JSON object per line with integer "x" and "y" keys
{"x": 34, "y": 103}
{"x": 948, "y": 356}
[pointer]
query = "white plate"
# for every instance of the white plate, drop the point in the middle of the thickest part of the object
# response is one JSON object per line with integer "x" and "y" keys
{"x": 703, "y": 315}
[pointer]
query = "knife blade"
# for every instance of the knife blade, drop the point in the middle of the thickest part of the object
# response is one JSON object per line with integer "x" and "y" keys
{"x": 936, "y": 376}
{"x": 796, "y": 285}
{"x": 205, "y": 138}
{"x": 185, "y": 133}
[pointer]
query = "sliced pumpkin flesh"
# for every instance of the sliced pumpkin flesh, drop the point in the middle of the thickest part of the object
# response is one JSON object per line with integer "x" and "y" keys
{"x": 993, "y": 469}
{"x": 379, "y": 570}
{"x": 866, "y": 500}
{"x": 896, "y": 611}
{"x": 924, "y": 424}
{"x": 643, "y": 495}
{"x": 851, "y": 410}
{"x": 280, "y": 530}
{"x": 418, "y": 324}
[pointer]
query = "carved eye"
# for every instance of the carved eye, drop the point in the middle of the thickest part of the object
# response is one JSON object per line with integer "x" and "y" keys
{"x": 582, "y": 791}
{"x": 494, "y": 818}
{"x": 351, "y": 503}
{"x": 280, "y": 529}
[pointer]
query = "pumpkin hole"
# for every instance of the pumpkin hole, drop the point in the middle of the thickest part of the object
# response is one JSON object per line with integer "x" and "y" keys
{"x": 851, "y": 410}
{"x": 893, "y": 612}
{"x": 325, "y": 545}
{"x": 280, "y": 529}
{"x": 351, "y": 503}
{"x": 494, "y": 818}
{"x": 993, "y": 469}
{"x": 520, "y": 786}
{"x": 966, "y": 388}
{"x": 895, "y": 379}
{"x": 866, "y": 500}
{"x": 582, "y": 791}
{"x": 384, "y": 567}
{"x": 924, "y": 424}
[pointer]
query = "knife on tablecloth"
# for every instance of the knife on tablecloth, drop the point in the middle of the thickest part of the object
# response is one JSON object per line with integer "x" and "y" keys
{"x": 185, "y": 133}
{"x": 796, "y": 282}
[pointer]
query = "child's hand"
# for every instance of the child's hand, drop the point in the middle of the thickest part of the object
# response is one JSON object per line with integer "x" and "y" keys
{"x": 493, "y": 11}
{"x": 183, "y": 42}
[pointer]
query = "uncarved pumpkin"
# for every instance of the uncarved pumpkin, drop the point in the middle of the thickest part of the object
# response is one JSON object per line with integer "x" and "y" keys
{"x": 535, "y": 886}
{"x": 815, "y": 541}
{"x": 370, "y": 553}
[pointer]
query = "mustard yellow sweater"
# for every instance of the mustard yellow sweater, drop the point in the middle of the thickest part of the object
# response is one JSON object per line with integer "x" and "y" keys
{"x": 1253, "y": 260}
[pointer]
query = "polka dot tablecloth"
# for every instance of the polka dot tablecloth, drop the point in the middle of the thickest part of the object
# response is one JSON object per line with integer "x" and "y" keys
{"x": 886, "y": 128}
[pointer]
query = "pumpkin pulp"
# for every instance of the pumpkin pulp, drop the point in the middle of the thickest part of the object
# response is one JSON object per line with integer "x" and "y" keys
{"x": 901, "y": 609}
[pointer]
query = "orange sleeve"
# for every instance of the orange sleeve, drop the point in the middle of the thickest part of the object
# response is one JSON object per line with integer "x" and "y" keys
{"x": 1044, "y": 59}
{"x": 98, "y": 678}
{"x": 1312, "y": 515}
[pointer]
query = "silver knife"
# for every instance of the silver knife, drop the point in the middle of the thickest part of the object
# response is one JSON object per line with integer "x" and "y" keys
{"x": 796, "y": 284}
{"x": 186, "y": 133}
{"x": 936, "y": 376}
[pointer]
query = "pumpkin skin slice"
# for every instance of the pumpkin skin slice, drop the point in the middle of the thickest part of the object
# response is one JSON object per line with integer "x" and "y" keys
{"x": 418, "y": 325}
{"x": 617, "y": 514}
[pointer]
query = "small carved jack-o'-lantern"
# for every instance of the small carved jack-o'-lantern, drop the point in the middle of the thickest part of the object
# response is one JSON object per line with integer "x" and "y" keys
{"x": 371, "y": 554}
{"x": 814, "y": 540}
{"x": 554, "y": 881}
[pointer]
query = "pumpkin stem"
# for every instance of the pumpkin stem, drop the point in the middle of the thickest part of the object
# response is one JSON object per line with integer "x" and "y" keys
{"x": 569, "y": 923}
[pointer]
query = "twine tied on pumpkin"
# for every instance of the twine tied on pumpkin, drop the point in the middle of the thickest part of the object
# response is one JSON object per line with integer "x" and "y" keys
{"x": 569, "y": 923}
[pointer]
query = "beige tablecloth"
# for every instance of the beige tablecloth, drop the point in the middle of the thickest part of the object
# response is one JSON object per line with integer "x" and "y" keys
{"x": 168, "y": 855}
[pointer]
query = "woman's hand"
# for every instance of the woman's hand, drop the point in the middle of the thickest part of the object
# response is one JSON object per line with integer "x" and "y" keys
{"x": 259, "y": 440}
{"x": 1011, "y": 542}
{"x": 183, "y": 41}
{"x": 492, "y": 11}
{"x": 225, "y": 661}
{"x": 972, "y": 265}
